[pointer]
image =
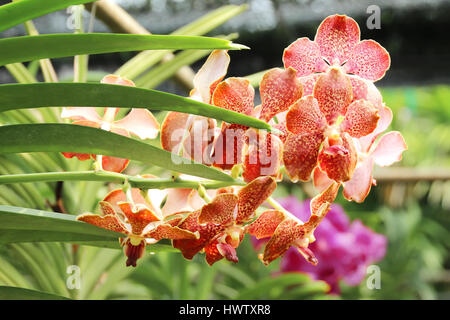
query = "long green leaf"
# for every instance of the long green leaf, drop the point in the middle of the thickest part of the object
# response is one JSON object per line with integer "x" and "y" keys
{"x": 28, "y": 225}
{"x": 14, "y": 293}
{"x": 59, "y": 137}
{"x": 35, "y": 95}
{"x": 12, "y": 14}
{"x": 27, "y": 48}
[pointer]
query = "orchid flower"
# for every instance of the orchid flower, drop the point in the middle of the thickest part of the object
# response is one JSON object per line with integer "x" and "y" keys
{"x": 337, "y": 44}
{"x": 286, "y": 230}
{"x": 330, "y": 118}
{"x": 189, "y": 135}
{"x": 141, "y": 220}
{"x": 385, "y": 152}
{"x": 139, "y": 122}
{"x": 221, "y": 223}
{"x": 258, "y": 151}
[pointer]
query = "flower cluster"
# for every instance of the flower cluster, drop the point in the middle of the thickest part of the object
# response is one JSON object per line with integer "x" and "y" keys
{"x": 328, "y": 115}
{"x": 344, "y": 249}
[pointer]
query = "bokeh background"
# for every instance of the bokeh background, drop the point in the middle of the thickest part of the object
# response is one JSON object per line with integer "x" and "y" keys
{"x": 410, "y": 206}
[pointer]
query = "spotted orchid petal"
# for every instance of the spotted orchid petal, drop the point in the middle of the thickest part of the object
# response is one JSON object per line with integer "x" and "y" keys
{"x": 115, "y": 79}
{"x": 211, "y": 73}
{"x": 304, "y": 56}
{"x": 114, "y": 164}
{"x": 366, "y": 90}
{"x": 109, "y": 222}
{"x": 336, "y": 37}
{"x": 385, "y": 120}
{"x": 228, "y": 146}
{"x": 308, "y": 83}
{"x": 222, "y": 210}
{"x": 266, "y": 224}
{"x": 333, "y": 91}
{"x": 235, "y": 94}
{"x": 262, "y": 155}
{"x": 207, "y": 232}
{"x": 339, "y": 160}
{"x": 138, "y": 219}
{"x": 305, "y": 117}
{"x": 361, "y": 119}
{"x": 317, "y": 207}
{"x": 252, "y": 196}
{"x": 358, "y": 187}
{"x": 286, "y": 233}
{"x": 300, "y": 155}
{"x": 141, "y": 123}
{"x": 279, "y": 89}
{"x": 389, "y": 149}
{"x": 369, "y": 60}
{"x": 166, "y": 231}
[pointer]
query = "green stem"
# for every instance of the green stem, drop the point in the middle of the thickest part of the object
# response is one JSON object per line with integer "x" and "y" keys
{"x": 106, "y": 176}
{"x": 277, "y": 206}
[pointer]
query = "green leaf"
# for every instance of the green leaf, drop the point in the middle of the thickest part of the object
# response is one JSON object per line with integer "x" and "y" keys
{"x": 52, "y": 137}
{"x": 35, "y": 95}
{"x": 28, "y": 48}
{"x": 12, "y": 14}
{"x": 29, "y": 225}
{"x": 14, "y": 293}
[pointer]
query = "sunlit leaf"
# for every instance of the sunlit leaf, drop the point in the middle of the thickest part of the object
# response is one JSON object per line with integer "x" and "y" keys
{"x": 28, "y": 48}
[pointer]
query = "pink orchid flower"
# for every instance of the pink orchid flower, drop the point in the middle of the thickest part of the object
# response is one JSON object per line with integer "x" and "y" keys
{"x": 327, "y": 118}
{"x": 385, "y": 152}
{"x": 337, "y": 44}
{"x": 139, "y": 122}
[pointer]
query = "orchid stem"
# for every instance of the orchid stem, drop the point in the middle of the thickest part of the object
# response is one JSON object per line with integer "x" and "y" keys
{"x": 114, "y": 177}
{"x": 277, "y": 206}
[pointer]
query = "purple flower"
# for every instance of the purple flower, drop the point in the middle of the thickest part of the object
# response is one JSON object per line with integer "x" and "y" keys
{"x": 344, "y": 249}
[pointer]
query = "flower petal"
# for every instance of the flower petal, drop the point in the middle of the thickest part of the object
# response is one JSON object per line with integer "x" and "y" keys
{"x": 305, "y": 117}
{"x": 177, "y": 200}
{"x": 325, "y": 197}
{"x": 358, "y": 187}
{"x": 336, "y": 36}
{"x": 308, "y": 83}
{"x": 365, "y": 89}
{"x": 339, "y": 160}
{"x": 361, "y": 119}
{"x": 166, "y": 231}
{"x": 81, "y": 113}
{"x": 211, "y": 73}
{"x": 369, "y": 60}
{"x": 133, "y": 252}
{"x": 333, "y": 91}
{"x": 172, "y": 130}
{"x": 266, "y": 224}
{"x": 300, "y": 155}
{"x": 221, "y": 210}
{"x": 385, "y": 120}
{"x": 234, "y": 94}
{"x": 253, "y": 195}
{"x": 139, "y": 219}
{"x": 287, "y": 232}
{"x": 114, "y": 164}
{"x": 262, "y": 155}
{"x": 115, "y": 79}
{"x": 389, "y": 149}
{"x": 228, "y": 146}
{"x": 190, "y": 247}
{"x": 304, "y": 56}
{"x": 108, "y": 222}
{"x": 141, "y": 123}
{"x": 228, "y": 252}
{"x": 212, "y": 253}
{"x": 279, "y": 89}
{"x": 321, "y": 180}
